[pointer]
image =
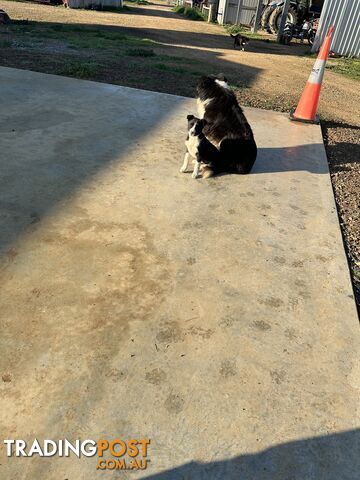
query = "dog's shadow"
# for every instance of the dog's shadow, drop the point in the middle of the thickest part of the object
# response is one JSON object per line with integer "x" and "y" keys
{"x": 310, "y": 157}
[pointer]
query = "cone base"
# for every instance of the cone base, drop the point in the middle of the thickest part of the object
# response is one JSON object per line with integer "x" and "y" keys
{"x": 316, "y": 120}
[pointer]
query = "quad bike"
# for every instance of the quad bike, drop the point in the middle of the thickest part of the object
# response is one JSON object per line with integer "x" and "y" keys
{"x": 306, "y": 31}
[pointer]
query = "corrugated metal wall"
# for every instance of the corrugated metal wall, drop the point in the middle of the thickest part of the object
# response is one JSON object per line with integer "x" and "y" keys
{"x": 237, "y": 11}
{"x": 345, "y": 16}
{"x": 94, "y": 3}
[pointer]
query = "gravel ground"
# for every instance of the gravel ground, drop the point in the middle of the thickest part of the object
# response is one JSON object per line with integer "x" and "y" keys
{"x": 267, "y": 76}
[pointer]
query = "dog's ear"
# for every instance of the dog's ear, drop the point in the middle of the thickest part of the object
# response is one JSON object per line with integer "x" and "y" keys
{"x": 190, "y": 117}
{"x": 222, "y": 77}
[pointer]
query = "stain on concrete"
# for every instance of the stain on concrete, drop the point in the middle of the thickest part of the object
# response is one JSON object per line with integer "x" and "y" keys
{"x": 227, "y": 321}
{"x": 297, "y": 263}
{"x": 279, "y": 260}
{"x": 116, "y": 375}
{"x": 170, "y": 333}
{"x": 35, "y": 218}
{"x": 290, "y": 333}
{"x": 261, "y": 325}
{"x": 278, "y": 376}
{"x": 230, "y": 291}
{"x": 36, "y": 292}
{"x": 228, "y": 368}
{"x": 322, "y": 258}
{"x": 174, "y": 403}
{"x": 37, "y": 119}
{"x": 191, "y": 261}
{"x": 201, "y": 332}
{"x": 6, "y": 377}
{"x": 12, "y": 253}
{"x": 293, "y": 302}
{"x": 232, "y": 211}
{"x": 298, "y": 209}
{"x": 271, "y": 302}
{"x": 192, "y": 225}
{"x": 155, "y": 376}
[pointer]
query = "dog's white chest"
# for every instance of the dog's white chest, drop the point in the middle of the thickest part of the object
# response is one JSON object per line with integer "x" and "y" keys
{"x": 192, "y": 145}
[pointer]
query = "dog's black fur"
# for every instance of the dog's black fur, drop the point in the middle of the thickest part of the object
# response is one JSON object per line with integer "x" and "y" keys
{"x": 226, "y": 126}
{"x": 239, "y": 40}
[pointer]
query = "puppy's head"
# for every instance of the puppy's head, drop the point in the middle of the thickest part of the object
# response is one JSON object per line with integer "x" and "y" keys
{"x": 195, "y": 125}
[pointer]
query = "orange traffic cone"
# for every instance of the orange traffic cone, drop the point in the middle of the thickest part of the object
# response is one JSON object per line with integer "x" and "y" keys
{"x": 308, "y": 103}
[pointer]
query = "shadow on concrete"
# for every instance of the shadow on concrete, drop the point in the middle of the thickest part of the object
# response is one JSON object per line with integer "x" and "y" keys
{"x": 329, "y": 457}
{"x": 290, "y": 159}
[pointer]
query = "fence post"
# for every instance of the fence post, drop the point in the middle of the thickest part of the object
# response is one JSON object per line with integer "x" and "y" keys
{"x": 258, "y": 13}
{"x": 240, "y": 4}
{"x": 283, "y": 20}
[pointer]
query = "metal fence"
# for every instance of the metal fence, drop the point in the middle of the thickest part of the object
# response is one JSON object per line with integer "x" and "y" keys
{"x": 345, "y": 16}
{"x": 240, "y": 12}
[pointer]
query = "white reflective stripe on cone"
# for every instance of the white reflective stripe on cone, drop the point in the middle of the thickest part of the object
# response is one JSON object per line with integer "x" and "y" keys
{"x": 317, "y": 72}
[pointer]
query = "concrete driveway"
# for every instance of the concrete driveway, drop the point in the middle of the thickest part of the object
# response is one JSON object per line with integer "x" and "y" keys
{"x": 214, "y": 318}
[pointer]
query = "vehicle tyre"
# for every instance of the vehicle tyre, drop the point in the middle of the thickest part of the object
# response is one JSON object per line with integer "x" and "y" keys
{"x": 275, "y": 18}
{"x": 265, "y": 17}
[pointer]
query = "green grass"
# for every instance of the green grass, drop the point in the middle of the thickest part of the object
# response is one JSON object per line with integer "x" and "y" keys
{"x": 235, "y": 29}
{"x": 345, "y": 66}
{"x": 5, "y": 43}
{"x": 78, "y": 69}
{"x": 169, "y": 68}
{"x": 190, "y": 13}
{"x": 182, "y": 70}
{"x": 140, "y": 52}
{"x": 78, "y": 36}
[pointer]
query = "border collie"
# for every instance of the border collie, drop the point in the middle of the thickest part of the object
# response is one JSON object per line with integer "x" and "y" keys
{"x": 198, "y": 147}
{"x": 239, "y": 41}
{"x": 226, "y": 127}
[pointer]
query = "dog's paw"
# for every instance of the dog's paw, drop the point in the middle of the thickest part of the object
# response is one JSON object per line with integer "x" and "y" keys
{"x": 183, "y": 169}
{"x": 207, "y": 172}
{"x": 194, "y": 175}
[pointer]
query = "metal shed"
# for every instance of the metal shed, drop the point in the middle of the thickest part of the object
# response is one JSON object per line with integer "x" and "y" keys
{"x": 345, "y": 16}
{"x": 241, "y": 12}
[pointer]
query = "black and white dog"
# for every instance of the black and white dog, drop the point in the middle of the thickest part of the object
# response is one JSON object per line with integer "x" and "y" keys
{"x": 226, "y": 127}
{"x": 198, "y": 147}
{"x": 239, "y": 41}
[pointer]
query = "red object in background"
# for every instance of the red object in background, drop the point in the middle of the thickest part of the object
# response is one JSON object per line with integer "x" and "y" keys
{"x": 309, "y": 101}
